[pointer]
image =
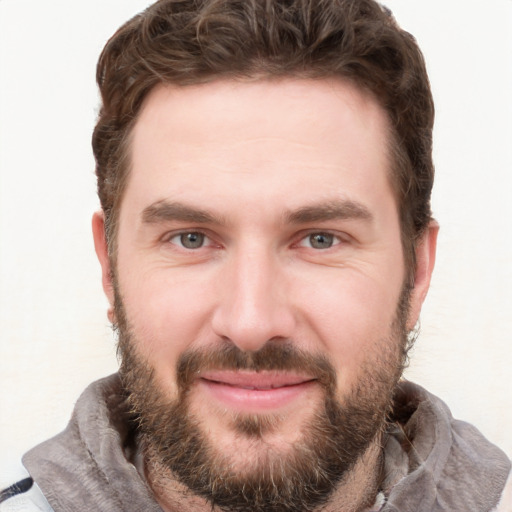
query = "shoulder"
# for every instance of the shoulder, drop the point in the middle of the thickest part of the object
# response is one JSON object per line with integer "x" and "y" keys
{"x": 505, "y": 505}
{"x": 439, "y": 463}
{"x": 22, "y": 494}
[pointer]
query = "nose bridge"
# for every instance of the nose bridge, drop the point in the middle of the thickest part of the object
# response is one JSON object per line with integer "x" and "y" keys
{"x": 252, "y": 306}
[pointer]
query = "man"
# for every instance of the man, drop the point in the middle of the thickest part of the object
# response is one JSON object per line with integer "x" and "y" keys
{"x": 266, "y": 241}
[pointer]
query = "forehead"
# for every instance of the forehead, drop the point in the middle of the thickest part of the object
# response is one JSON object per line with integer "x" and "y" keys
{"x": 259, "y": 137}
{"x": 253, "y": 107}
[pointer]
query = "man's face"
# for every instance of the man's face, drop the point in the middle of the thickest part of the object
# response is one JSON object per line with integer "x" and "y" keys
{"x": 260, "y": 275}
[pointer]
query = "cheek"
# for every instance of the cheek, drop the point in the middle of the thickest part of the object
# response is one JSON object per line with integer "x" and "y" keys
{"x": 351, "y": 319}
{"x": 167, "y": 312}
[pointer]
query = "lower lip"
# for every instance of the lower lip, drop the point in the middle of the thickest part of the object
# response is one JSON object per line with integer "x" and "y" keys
{"x": 256, "y": 400}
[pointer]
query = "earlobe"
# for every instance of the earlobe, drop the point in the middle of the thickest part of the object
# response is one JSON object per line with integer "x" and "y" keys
{"x": 101, "y": 247}
{"x": 425, "y": 260}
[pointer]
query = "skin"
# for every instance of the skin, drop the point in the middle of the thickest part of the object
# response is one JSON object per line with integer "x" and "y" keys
{"x": 261, "y": 169}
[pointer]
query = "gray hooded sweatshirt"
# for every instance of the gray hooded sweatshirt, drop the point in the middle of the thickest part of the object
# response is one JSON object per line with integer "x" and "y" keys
{"x": 432, "y": 463}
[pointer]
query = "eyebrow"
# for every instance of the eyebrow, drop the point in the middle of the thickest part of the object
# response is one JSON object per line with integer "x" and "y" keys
{"x": 163, "y": 211}
{"x": 331, "y": 210}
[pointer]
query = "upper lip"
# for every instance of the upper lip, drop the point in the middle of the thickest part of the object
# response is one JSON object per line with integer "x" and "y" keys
{"x": 255, "y": 380}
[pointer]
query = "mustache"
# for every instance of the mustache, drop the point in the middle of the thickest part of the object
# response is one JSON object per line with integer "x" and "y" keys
{"x": 275, "y": 355}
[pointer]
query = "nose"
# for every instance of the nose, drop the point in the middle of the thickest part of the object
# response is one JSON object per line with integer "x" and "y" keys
{"x": 253, "y": 305}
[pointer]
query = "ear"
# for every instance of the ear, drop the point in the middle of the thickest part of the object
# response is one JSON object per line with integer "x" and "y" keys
{"x": 101, "y": 247}
{"x": 425, "y": 260}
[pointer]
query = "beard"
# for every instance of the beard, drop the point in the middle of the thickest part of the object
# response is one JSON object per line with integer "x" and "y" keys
{"x": 176, "y": 443}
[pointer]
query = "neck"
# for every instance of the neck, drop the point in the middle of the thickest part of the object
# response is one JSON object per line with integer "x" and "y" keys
{"x": 356, "y": 492}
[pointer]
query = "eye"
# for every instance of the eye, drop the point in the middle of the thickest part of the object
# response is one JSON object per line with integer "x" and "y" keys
{"x": 189, "y": 239}
{"x": 320, "y": 240}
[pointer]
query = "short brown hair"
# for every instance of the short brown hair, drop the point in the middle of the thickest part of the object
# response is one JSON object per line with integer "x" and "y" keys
{"x": 184, "y": 42}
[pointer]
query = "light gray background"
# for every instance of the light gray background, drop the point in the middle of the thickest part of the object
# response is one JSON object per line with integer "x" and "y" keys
{"x": 54, "y": 334}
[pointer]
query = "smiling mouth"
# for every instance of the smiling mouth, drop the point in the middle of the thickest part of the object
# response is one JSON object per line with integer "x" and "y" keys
{"x": 256, "y": 380}
{"x": 255, "y": 388}
{"x": 255, "y": 391}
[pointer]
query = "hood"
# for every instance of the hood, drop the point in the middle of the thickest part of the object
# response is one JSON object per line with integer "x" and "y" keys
{"x": 432, "y": 463}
